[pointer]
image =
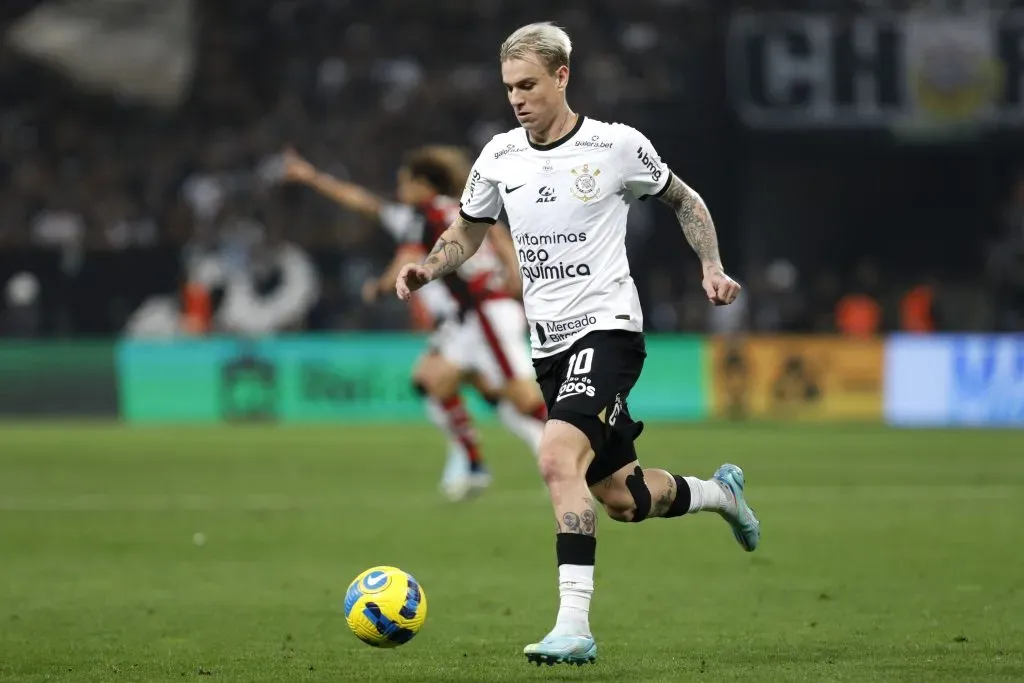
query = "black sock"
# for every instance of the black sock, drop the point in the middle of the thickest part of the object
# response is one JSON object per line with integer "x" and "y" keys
{"x": 681, "y": 505}
{"x": 576, "y": 549}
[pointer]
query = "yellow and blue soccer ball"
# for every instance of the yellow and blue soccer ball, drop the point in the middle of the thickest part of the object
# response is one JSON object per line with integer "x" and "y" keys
{"x": 385, "y": 607}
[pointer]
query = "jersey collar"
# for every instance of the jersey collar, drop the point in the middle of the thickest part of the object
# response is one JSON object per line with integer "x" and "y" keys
{"x": 560, "y": 141}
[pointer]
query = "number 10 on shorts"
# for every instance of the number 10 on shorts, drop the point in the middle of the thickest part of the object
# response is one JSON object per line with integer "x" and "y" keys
{"x": 580, "y": 363}
{"x": 576, "y": 381}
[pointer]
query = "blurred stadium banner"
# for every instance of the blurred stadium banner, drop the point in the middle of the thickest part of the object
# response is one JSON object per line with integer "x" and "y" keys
{"x": 955, "y": 380}
{"x": 326, "y": 378}
{"x": 342, "y": 378}
{"x": 920, "y": 74}
{"x": 57, "y": 380}
{"x": 910, "y": 380}
{"x": 138, "y": 49}
{"x": 675, "y": 384}
{"x": 797, "y": 378}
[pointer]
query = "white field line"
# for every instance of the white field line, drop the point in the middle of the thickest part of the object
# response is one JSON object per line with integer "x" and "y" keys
{"x": 298, "y": 502}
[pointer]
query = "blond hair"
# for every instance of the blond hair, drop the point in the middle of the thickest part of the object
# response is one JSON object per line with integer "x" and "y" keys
{"x": 550, "y": 43}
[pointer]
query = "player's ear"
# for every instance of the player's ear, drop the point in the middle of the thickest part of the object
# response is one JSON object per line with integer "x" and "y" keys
{"x": 562, "y": 77}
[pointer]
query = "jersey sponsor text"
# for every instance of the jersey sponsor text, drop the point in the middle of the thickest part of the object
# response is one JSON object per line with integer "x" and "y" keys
{"x": 569, "y": 223}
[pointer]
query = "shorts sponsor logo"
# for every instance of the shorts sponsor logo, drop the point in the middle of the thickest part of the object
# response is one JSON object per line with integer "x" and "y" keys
{"x": 616, "y": 410}
{"x": 577, "y": 386}
{"x": 576, "y": 382}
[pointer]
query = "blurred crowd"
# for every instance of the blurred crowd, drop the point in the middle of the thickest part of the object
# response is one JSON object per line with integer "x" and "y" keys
{"x": 94, "y": 176}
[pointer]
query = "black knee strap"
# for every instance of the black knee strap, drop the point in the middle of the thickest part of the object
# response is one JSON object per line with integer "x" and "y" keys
{"x": 419, "y": 389}
{"x": 641, "y": 494}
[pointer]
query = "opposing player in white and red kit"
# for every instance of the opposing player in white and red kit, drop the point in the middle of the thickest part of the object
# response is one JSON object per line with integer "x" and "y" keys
{"x": 480, "y": 334}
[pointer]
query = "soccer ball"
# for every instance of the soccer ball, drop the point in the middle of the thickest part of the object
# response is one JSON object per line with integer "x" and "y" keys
{"x": 385, "y": 607}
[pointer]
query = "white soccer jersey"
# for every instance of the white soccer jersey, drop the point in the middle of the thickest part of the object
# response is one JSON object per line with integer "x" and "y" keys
{"x": 567, "y": 204}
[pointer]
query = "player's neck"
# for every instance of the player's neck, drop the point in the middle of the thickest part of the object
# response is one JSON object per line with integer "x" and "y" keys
{"x": 561, "y": 126}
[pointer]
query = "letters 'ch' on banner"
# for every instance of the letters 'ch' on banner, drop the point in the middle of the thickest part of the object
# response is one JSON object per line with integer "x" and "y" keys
{"x": 917, "y": 74}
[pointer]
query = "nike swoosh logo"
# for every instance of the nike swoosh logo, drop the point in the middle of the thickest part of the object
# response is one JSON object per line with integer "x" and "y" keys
{"x": 509, "y": 190}
{"x": 374, "y": 581}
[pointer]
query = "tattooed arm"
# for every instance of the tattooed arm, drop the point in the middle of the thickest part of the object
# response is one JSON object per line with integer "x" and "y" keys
{"x": 453, "y": 248}
{"x": 695, "y": 220}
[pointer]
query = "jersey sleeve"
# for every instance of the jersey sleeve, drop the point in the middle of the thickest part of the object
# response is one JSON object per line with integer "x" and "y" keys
{"x": 481, "y": 200}
{"x": 643, "y": 172}
{"x": 402, "y": 222}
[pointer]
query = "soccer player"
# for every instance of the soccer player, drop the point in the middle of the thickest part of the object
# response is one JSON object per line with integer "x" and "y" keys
{"x": 564, "y": 181}
{"x": 465, "y": 473}
{"x": 482, "y": 338}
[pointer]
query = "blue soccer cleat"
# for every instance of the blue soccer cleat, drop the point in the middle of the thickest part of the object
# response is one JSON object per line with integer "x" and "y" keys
{"x": 578, "y": 650}
{"x": 745, "y": 526}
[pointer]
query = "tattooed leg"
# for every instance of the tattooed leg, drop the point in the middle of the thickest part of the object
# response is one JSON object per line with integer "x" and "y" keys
{"x": 665, "y": 490}
{"x": 584, "y": 522}
{"x": 633, "y": 494}
{"x": 564, "y": 457}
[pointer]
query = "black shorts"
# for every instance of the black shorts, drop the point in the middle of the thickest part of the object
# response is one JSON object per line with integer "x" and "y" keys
{"x": 587, "y": 386}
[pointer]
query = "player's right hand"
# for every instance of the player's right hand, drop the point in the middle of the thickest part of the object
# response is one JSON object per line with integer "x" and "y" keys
{"x": 297, "y": 169}
{"x": 411, "y": 277}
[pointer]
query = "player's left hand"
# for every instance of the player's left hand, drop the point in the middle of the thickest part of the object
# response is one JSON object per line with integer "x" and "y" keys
{"x": 721, "y": 289}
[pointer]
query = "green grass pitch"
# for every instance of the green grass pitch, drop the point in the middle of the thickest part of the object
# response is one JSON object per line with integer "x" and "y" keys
{"x": 886, "y": 556}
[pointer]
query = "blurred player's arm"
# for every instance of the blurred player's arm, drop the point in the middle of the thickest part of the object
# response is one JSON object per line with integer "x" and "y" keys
{"x": 353, "y": 197}
{"x": 505, "y": 248}
{"x": 695, "y": 220}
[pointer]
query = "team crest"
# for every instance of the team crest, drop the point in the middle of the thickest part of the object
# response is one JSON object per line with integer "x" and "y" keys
{"x": 585, "y": 187}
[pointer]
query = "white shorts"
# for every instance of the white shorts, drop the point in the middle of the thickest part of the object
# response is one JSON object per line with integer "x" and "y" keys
{"x": 491, "y": 341}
